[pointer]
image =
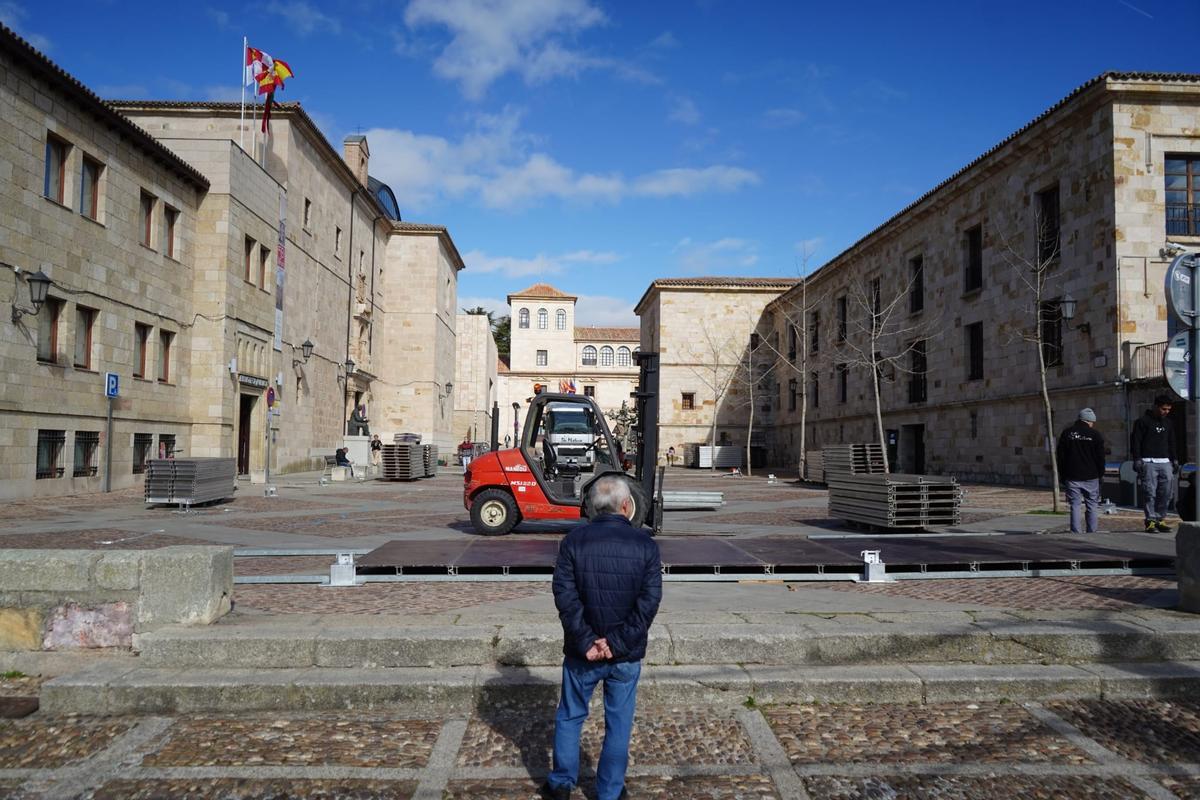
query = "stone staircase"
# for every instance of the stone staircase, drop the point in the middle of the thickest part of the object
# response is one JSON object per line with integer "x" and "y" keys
{"x": 326, "y": 663}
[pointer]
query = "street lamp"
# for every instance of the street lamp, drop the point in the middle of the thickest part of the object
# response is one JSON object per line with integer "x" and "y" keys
{"x": 306, "y": 350}
{"x": 349, "y": 366}
{"x": 1066, "y": 310}
{"x": 39, "y": 284}
{"x": 516, "y": 408}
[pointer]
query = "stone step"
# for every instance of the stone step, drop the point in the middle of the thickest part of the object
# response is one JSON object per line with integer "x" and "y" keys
{"x": 143, "y": 690}
{"x": 398, "y": 646}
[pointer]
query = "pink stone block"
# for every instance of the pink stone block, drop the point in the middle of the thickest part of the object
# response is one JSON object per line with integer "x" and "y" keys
{"x": 73, "y": 627}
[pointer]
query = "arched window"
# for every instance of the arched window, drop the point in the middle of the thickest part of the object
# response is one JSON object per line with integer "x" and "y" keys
{"x": 560, "y": 320}
{"x": 589, "y": 356}
{"x": 623, "y": 357}
{"x": 523, "y": 317}
{"x": 606, "y": 356}
{"x": 543, "y": 319}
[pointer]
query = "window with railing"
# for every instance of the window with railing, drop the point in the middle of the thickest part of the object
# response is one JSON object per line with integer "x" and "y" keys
{"x": 87, "y": 444}
{"x": 606, "y": 356}
{"x": 1183, "y": 195}
{"x": 49, "y": 454}
{"x": 918, "y": 366}
{"x": 624, "y": 357}
{"x": 1048, "y": 225}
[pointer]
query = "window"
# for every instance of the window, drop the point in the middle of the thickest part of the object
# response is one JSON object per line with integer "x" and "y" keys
{"x": 89, "y": 188}
{"x": 792, "y": 336}
{"x": 843, "y": 371}
{"x": 1048, "y": 225}
{"x": 264, "y": 266}
{"x": 814, "y": 332}
{"x": 560, "y": 320}
{"x": 543, "y": 319}
{"x": 337, "y": 242}
{"x": 166, "y": 445}
{"x": 916, "y": 285}
{"x": 687, "y": 401}
{"x": 876, "y": 304}
{"x": 85, "y": 319}
{"x": 1051, "y": 321}
{"x": 974, "y": 424}
{"x": 523, "y": 318}
{"x": 307, "y": 213}
{"x": 974, "y": 335}
{"x": 792, "y": 394}
{"x": 47, "y": 322}
{"x": 170, "y": 217}
{"x": 918, "y": 365}
{"x": 147, "y": 207}
{"x": 1183, "y": 195}
{"x": 589, "y": 356}
{"x": 141, "y": 341}
{"x": 49, "y": 454}
{"x": 624, "y": 358}
{"x": 589, "y": 391}
{"x": 142, "y": 442}
{"x": 973, "y": 259}
{"x": 815, "y": 380}
{"x": 164, "y": 356}
{"x": 543, "y": 358}
{"x": 248, "y": 261}
{"x": 56, "y": 169}
{"x": 606, "y": 356}
{"x": 87, "y": 443}
{"x": 841, "y": 318}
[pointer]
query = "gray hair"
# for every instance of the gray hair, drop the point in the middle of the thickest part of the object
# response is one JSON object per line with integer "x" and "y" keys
{"x": 607, "y": 494}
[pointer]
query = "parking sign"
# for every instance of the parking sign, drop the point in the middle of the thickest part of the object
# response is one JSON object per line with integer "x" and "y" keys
{"x": 112, "y": 384}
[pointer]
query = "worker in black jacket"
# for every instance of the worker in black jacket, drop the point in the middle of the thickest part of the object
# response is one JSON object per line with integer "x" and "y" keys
{"x": 1080, "y": 468}
{"x": 1152, "y": 448}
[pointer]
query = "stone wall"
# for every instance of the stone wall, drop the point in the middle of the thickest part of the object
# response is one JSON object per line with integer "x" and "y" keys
{"x": 475, "y": 379}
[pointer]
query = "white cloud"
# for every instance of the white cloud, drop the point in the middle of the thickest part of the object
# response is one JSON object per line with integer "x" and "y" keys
{"x": 499, "y": 165}
{"x": 221, "y": 18}
{"x": 479, "y": 262}
{"x": 591, "y": 257}
{"x": 595, "y": 309}
{"x": 305, "y": 18}
{"x": 13, "y": 15}
{"x": 782, "y": 117}
{"x": 491, "y": 38}
{"x": 716, "y": 257}
{"x": 665, "y": 41}
{"x": 683, "y": 110}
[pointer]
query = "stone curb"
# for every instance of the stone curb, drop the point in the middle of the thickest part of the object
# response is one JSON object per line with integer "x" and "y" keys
{"x": 152, "y": 691}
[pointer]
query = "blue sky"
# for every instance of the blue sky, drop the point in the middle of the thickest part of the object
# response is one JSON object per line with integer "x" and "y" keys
{"x": 599, "y": 145}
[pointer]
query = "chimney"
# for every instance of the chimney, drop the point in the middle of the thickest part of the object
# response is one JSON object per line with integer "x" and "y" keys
{"x": 356, "y": 155}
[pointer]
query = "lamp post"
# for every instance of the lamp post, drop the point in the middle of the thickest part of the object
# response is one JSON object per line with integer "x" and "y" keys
{"x": 39, "y": 284}
{"x": 516, "y": 408}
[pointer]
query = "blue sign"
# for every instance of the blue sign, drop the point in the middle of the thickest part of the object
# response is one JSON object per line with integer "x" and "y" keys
{"x": 112, "y": 384}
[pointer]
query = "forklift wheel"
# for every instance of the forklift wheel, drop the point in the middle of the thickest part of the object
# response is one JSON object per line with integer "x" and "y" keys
{"x": 494, "y": 512}
{"x": 639, "y": 505}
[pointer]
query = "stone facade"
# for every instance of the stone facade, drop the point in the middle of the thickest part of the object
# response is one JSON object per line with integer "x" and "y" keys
{"x": 548, "y": 348}
{"x": 475, "y": 378}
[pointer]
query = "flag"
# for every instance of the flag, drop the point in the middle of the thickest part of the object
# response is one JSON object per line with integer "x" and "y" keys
{"x": 265, "y": 72}
{"x": 566, "y": 386}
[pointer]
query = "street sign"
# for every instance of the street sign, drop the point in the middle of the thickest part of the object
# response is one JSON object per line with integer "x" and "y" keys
{"x": 271, "y": 397}
{"x": 1179, "y": 292}
{"x": 112, "y": 384}
{"x": 1176, "y": 363}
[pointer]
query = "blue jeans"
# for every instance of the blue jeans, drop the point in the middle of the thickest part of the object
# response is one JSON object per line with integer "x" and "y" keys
{"x": 1087, "y": 493}
{"x": 579, "y": 679}
{"x": 1156, "y": 489}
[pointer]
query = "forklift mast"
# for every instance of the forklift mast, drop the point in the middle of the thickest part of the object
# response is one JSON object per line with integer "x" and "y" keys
{"x": 646, "y": 471}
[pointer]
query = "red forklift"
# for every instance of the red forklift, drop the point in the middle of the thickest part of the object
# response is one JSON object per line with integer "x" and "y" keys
{"x": 565, "y": 446}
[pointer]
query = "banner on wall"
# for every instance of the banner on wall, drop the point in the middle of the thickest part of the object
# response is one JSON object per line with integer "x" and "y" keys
{"x": 280, "y": 262}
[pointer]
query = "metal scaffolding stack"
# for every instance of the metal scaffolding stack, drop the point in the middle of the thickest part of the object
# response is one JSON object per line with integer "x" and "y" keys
{"x": 814, "y": 467}
{"x": 402, "y": 462}
{"x": 431, "y": 460}
{"x": 189, "y": 481}
{"x": 895, "y": 501}
{"x": 852, "y": 459}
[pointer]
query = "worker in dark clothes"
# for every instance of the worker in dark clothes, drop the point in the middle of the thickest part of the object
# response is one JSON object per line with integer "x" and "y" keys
{"x": 1080, "y": 467}
{"x": 1152, "y": 448}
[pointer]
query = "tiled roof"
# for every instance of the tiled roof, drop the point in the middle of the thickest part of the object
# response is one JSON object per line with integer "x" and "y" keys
{"x": 598, "y": 334}
{"x": 543, "y": 290}
{"x": 715, "y": 282}
{"x": 21, "y": 50}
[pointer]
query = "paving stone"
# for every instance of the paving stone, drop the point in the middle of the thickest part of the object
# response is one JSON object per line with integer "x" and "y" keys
{"x": 1148, "y": 731}
{"x": 891, "y": 734}
{"x": 282, "y": 565}
{"x": 698, "y": 787}
{"x": 326, "y": 740}
{"x": 382, "y": 598}
{"x": 1114, "y": 592}
{"x": 954, "y": 787}
{"x": 253, "y": 789}
{"x": 95, "y": 539}
{"x": 47, "y": 743}
{"x": 1186, "y": 787}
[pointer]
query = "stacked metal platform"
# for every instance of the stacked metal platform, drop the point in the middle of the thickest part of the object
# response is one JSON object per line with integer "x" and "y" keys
{"x": 860, "y": 491}
{"x": 814, "y": 471}
{"x": 402, "y": 462}
{"x": 189, "y": 481}
{"x": 431, "y": 460}
{"x": 702, "y": 455}
{"x": 852, "y": 459}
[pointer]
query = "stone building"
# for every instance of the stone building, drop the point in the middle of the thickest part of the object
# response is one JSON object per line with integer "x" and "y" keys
{"x": 187, "y": 261}
{"x": 1088, "y": 193}
{"x": 708, "y": 333}
{"x": 475, "y": 378}
{"x": 548, "y": 349}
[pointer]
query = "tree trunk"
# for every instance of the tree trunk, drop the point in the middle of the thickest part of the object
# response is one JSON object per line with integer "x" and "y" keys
{"x": 1049, "y": 414}
{"x": 750, "y": 426}
{"x": 879, "y": 418}
{"x": 712, "y": 439}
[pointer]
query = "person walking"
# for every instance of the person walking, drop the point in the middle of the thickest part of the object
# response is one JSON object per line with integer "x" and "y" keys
{"x": 1152, "y": 448}
{"x": 607, "y": 588}
{"x": 376, "y": 452}
{"x": 1081, "y": 466}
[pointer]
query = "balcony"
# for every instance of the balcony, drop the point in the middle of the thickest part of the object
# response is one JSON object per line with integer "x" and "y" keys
{"x": 1146, "y": 363}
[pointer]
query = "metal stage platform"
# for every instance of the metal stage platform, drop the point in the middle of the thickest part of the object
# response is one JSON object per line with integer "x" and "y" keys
{"x": 699, "y": 558}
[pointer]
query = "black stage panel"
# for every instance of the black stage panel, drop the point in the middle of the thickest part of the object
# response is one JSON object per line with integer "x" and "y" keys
{"x": 433, "y": 553}
{"x": 698, "y": 551}
{"x": 510, "y": 553}
{"x": 780, "y": 551}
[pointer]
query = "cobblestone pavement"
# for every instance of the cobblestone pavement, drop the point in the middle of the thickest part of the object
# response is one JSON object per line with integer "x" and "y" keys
{"x": 1098, "y": 592}
{"x": 382, "y": 598}
{"x": 95, "y": 539}
{"x": 985, "y": 751}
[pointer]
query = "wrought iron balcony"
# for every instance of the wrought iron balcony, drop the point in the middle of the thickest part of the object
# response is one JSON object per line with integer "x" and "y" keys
{"x": 1146, "y": 363}
{"x": 1183, "y": 220}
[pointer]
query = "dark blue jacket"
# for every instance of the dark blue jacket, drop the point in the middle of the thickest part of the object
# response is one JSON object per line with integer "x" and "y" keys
{"x": 607, "y": 584}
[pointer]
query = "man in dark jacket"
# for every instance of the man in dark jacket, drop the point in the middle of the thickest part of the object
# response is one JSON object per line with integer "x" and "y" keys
{"x": 607, "y": 587}
{"x": 1081, "y": 466}
{"x": 1152, "y": 448}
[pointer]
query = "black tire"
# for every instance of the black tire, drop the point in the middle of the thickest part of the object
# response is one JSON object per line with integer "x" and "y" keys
{"x": 494, "y": 512}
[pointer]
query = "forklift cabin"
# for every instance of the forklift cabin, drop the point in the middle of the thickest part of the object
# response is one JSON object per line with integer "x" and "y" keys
{"x": 567, "y": 444}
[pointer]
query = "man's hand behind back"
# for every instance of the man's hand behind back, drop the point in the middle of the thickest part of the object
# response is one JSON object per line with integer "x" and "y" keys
{"x": 599, "y": 651}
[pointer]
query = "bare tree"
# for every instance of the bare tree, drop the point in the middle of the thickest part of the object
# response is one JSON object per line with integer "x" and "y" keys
{"x": 882, "y": 338}
{"x": 717, "y": 355}
{"x": 755, "y": 367}
{"x": 1036, "y": 272}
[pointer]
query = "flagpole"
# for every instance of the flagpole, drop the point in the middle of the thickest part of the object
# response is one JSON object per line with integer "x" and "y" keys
{"x": 254, "y": 126}
{"x": 242, "y": 121}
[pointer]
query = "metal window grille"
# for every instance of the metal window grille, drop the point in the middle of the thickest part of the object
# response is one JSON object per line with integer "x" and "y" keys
{"x": 49, "y": 453}
{"x": 543, "y": 358}
{"x": 1048, "y": 231}
{"x": 543, "y": 319}
{"x": 624, "y": 358}
{"x": 560, "y": 320}
{"x": 606, "y": 356}
{"x": 688, "y": 401}
{"x": 87, "y": 445}
{"x": 1182, "y": 183}
{"x": 589, "y": 356}
{"x": 142, "y": 442}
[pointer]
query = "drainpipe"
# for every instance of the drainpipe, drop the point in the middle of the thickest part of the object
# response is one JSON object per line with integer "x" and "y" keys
{"x": 349, "y": 306}
{"x": 371, "y": 330}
